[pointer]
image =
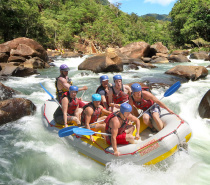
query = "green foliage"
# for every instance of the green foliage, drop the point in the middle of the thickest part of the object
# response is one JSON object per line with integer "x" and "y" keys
{"x": 57, "y": 23}
{"x": 162, "y": 17}
{"x": 190, "y": 20}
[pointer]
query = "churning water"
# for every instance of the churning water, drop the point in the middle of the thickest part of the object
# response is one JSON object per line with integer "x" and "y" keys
{"x": 31, "y": 154}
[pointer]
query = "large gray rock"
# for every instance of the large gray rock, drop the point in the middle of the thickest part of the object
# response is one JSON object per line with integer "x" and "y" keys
{"x": 23, "y": 46}
{"x": 11, "y": 69}
{"x": 6, "y": 92}
{"x": 189, "y": 72}
{"x": 135, "y": 50}
{"x": 15, "y": 108}
{"x": 200, "y": 55}
{"x": 204, "y": 106}
{"x": 102, "y": 63}
{"x": 178, "y": 58}
{"x": 158, "y": 48}
{"x": 180, "y": 52}
{"x": 160, "y": 60}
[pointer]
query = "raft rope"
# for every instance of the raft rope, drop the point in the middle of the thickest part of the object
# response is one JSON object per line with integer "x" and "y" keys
{"x": 132, "y": 153}
{"x": 142, "y": 148}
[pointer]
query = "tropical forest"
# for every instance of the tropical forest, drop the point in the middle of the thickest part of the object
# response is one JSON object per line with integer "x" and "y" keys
{"x": 61, "y": 23}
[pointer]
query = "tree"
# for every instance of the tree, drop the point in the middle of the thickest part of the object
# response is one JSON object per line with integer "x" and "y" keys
{"x": 190, "y": 20}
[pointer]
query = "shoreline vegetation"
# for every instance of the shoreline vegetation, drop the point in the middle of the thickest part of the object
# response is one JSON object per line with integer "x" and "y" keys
{"x": 58, "y": 24}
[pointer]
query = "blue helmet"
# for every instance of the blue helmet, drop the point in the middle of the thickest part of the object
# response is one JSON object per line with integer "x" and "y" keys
{"x": 96, "y": 97}
{"x": 64, "y": 67}
{"x": 136, "y": 87}
{"x": 73, "y": 88}
{"x": 103, "y": 78}
{"x": 125, "y": 107}
{"x": 117, "y": 77}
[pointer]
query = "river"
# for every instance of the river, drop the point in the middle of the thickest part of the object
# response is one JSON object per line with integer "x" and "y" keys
{"x": 31, "y": 154}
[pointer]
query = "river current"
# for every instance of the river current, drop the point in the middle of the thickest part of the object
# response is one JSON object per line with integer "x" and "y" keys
{"x": 31, "y": 154}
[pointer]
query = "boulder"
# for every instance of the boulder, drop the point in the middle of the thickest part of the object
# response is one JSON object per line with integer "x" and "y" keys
{"x": 199, "y": 55}
{"x": 204, "y": 106}
{"x": 10, "y": 69}
{"x": 135, "y": 50}
{"x": 35, "y": 63}
{"x": 15, "y": 108}
{"x": 143, "y": 65}
{"x": 102, "y": 63}
{"x": 180, "y": 52}
{"x": 146, "y": 59}
{"x": 6, "y": 92}
{"x": 31, "y": 46}
{"x": 24, "y": 51}
{"x": 162, "y": 55}
{"x": 16, "y": 59}
{"x": 189, "y": 72}
{"x": 131, "y": 67}
{"x": 157, "y": 48}
{"x": 178, "y": 58}
{"x": 3, "y": 57}
{"x": 160, "y": 60}
{"x": 4, "y": 48}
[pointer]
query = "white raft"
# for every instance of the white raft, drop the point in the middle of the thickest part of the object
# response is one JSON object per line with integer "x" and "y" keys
{"x": 150, "y": 149}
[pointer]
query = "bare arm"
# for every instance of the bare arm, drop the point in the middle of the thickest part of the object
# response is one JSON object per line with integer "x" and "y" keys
{"x": 106, "y": 112}
{"x": 136, "y": 120}
{"x": 148, "y": 95}
{"x": 131, "y": 103}
{"x": 103, "y": 99}
{"x": 84, "y": 88}
{"x": 111, "y": 99}
{"x": 128, "y": 89}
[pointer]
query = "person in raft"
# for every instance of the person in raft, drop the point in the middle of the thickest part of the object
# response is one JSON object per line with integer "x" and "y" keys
{"x": 117, "y": 125}
{"x": 103, "y": 90}
{"x": 63, "y": 82}
{"x": 69, "y": 113}
{"x": 143, "y": 100}
{"x": 118, "y": 93}
{"x": 91, "y": 113}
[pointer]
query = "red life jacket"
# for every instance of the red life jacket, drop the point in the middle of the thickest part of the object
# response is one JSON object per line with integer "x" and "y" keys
{"x": 73, "y": 103}
{"x": 121, "y": 97}
{"x": 94, "y": 116}
{"x": 143, "y": 104}
{"x": 107, "y": 120}
{"x": 106, "y": 94}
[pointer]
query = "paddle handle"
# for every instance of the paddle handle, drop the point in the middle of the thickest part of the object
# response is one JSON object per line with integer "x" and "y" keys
{"x": 82, "y": 94}
{"x": 102, "y": 133}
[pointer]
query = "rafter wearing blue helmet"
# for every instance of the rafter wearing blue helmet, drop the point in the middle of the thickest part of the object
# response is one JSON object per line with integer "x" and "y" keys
{"x": 91, "y": 114}
{"x": 69, "y": 114}
{"x": 103, "y": 90}
{"x": 118, "y": 93}
{"x": 117, "y": 125}
{"x": 143, "y": 99}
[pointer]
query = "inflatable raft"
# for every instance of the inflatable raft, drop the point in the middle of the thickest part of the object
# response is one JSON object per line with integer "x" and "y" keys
{"x": 150, "y": 149}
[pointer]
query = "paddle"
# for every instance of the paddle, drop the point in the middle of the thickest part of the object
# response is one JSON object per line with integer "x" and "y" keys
{"x": 169, "y": 92}
{"x": 84, "y": 131}
{"x": 82, "y": 94}
{"x": 66, "y": 131}
{"x": 51, "y": 95}
{"x": 69, "y": 130}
